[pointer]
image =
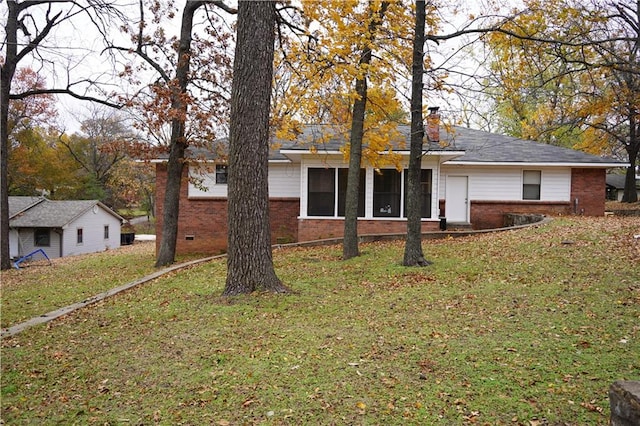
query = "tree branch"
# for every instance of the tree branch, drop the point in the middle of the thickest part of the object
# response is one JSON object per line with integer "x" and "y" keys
{"x": 35, "y": 92}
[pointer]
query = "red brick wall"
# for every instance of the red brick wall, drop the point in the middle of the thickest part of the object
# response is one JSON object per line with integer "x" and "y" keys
{"x": 490, "y": 214}
{"x": 202, "y": 223}
{"x": 318, "y": 229}
{"x": 588, "y": 186}
{"x": 206, "y": 219}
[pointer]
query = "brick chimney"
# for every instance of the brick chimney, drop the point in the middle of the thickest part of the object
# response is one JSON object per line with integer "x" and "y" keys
{"x": 433, "y": 125}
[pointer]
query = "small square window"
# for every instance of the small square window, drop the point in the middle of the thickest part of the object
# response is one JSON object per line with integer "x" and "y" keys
{"x": 221, "y": 173}
{"x": 42, "y": 237}
{"x": 106, "y": 232}
{"x": 79, "y": 236}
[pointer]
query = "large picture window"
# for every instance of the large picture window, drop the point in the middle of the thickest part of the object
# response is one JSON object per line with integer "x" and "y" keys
{"x": 531, "y": 181}
{"x": 321, "y": 192}
{"x": 425, "y": 192}
{"x": 322, "y": 200}
{"x": 342, "y": 191}
{"x": 327, "y": 188}
{"x": 387, "y": 190}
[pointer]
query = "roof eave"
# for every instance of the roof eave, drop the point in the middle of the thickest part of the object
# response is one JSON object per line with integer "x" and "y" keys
{"x": 535, "y": 164}
{"x": 297, "y": 154}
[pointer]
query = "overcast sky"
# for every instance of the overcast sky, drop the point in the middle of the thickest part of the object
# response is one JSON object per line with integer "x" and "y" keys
{"x": 77, "y": 50}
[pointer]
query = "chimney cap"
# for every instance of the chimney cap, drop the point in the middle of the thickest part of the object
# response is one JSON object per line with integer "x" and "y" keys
{"x": 433, "y": 109}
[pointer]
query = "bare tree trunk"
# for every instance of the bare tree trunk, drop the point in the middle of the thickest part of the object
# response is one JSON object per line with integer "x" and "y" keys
{"x": 6, "y": 75}
{"x": 4, "y": 167}
{"x": 413, "y": 255}
{"x": 350, "y": 242}
{"x": 171, "y": 207}
{"x": 630, "y": 194}
{"x": 249, "y": 260}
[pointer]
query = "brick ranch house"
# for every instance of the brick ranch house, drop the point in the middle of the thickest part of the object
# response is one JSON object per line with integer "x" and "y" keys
{"x": 470, "y": 177}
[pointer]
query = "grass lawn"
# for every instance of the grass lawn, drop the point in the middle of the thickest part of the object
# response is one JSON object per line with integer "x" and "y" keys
{"x": 39, "y": 288}
{"x": 526, "y": 327}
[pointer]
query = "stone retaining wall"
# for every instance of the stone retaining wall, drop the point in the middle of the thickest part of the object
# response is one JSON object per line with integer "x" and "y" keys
{"x": 624, "y": 399}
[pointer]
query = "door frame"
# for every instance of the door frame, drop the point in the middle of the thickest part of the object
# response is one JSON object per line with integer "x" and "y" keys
{"x": 459, "y": 194}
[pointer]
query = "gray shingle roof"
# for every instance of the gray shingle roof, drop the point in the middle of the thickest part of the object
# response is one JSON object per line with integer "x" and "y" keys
{"x": 478, "y": 146}
{"x": 19, "y": 204}
{"x": 485, "y": 147}
{"x": 53, "y": 213}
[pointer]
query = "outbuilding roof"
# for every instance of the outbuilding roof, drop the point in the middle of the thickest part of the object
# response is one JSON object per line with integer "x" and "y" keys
{"x": 20, "y": 204}
{"x": 52, "y": 213}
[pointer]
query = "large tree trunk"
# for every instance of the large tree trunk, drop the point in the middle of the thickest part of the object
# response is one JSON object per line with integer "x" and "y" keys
{"x": 249, "y": 258}
{"x": 6, "y": 75}
{"x": 171, "y": 207}
{"x": 413, "y": 255}
{"x": 4, "y": 195}
{"x": 350, "y": 242}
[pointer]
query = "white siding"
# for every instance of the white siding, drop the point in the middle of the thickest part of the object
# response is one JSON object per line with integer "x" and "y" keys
{"x": 206, "y": 187}
{"x": 556, "y": 185}
{"x": 14, "y": 236}
{"x": 92, "y": 225}
{"x": 26, "y": 243}
{"x": 505, "y": 183}
{"x": 284, "y": 180}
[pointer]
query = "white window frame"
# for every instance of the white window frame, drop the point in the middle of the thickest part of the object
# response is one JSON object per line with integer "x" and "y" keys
{"x": 532, "y": 178}
{"x": 368, "y": 196}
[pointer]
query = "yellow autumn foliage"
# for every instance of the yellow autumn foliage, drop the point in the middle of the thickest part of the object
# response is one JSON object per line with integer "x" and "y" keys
{"x": 321, "y": 67}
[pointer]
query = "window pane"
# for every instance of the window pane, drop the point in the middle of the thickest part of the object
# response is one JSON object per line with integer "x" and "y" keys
{"x": 221, "y": 174}
{"x": 106, "y": 232}
{"x": 531, "y": 177}
{"x": 386, "y": 193}
{"x": 42, "y": 238}
{"x": 342, "y": 191}
{"x": 425, "y": 192}
{"x": 79, "y": 239}
{"x": 321, "y": 192}
{"x": 531, "y": 180}
{"x": 530, "y": 192}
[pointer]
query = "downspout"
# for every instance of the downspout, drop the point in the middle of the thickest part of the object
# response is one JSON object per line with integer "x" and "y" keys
{"x": 433, "y": 135}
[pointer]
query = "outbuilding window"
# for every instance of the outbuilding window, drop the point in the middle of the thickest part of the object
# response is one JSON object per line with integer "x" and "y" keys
{"x": 42, "y": 237}
{"x": 79, "y": 236}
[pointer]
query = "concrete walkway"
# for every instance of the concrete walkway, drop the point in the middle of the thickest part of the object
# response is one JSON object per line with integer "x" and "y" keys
{"x": 50, "y": 316}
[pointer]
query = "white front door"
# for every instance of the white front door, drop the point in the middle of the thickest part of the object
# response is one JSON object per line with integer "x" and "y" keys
{"x": 457, "y": 199}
